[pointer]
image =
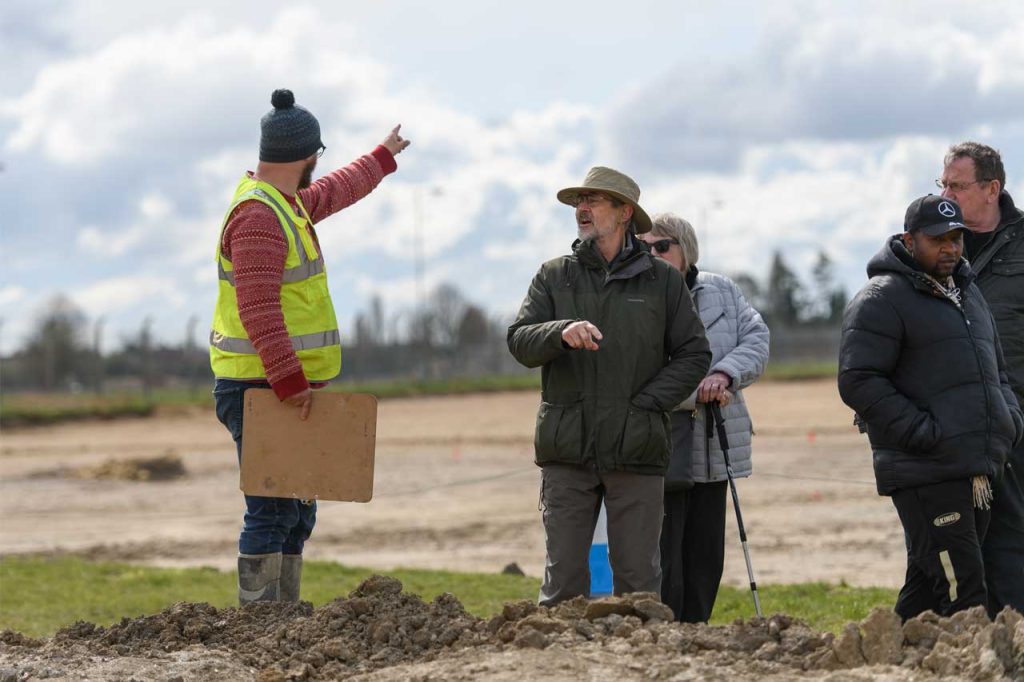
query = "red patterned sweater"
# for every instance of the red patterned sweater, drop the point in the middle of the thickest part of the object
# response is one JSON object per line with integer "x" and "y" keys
{"x": 256, "y": 246}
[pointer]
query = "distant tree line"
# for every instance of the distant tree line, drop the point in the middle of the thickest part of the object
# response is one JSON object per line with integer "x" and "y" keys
{"x": 63, "y": 352}
{"x": 447, "y": 335}
{"x": 784, "y": 300}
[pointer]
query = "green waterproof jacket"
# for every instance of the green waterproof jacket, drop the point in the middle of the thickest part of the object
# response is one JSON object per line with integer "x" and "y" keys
{"x": 609, "y": 408}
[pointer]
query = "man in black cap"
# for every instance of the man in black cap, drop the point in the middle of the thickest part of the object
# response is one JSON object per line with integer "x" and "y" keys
{"x": 621, "y": 345}
{"x": 973, "y": 176}
{"x": 274, "y": 324}
{"x": 920, "y": 363}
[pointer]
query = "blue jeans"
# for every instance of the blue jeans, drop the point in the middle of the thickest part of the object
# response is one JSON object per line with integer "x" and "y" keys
{"x": 271, "y": 524}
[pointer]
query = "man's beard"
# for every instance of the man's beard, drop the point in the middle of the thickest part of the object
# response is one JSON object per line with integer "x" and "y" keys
{"x": 307, "y": 175}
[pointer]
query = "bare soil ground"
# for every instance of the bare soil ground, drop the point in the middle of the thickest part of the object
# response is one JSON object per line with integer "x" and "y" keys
{"x": 464, "y": 464}
{"x": 456, "y": 489}
{"x": 381, "y": 633}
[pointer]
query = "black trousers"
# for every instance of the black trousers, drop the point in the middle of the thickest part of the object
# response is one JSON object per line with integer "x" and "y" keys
{"x": 1003, "y": 547}
{"x": 944, "y": 532}
{"x": 693, "y": 550}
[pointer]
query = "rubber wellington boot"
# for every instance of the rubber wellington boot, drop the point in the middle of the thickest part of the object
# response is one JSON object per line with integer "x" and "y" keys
{"x": 291, "y": 576}
{"x": 259, "y": 577}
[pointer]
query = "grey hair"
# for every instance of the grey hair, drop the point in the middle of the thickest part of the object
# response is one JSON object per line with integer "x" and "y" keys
{"x": 672, "y": 226}
{"x": 988, "y": 165}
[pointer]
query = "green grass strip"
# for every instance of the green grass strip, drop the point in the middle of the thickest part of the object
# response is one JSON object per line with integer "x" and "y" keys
{"x": 39, "y": 595}
{"x": 44, "y": 409}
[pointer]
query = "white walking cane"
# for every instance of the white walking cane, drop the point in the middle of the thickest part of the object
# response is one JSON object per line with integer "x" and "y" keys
{"x": 723, "y": 441}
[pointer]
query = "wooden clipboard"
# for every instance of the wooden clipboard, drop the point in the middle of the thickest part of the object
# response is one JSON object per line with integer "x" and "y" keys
{"x": 327, "y": 457}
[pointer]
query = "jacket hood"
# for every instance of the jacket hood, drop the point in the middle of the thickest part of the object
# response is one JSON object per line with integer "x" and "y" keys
{"x": 893, "y": 257}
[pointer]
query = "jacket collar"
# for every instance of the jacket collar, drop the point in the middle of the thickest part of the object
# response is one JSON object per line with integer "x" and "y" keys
{"x": 631, "y": 261}
{"x": 1009, "y": 213}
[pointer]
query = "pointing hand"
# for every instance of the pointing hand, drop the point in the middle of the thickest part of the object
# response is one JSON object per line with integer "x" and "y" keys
{"x": 394, "y": 142}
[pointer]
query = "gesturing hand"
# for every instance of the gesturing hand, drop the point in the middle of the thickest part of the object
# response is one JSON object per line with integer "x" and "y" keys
{"x": 394, "y": 142}
{"x": 303, "y": 401}
{"x": 582, "y": 334}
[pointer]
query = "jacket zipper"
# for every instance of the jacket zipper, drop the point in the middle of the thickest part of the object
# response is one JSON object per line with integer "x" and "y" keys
{"x": 981, "y": 373}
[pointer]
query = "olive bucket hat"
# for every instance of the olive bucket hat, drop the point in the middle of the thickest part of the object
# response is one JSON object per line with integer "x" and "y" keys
{"x": 612, "y": 183}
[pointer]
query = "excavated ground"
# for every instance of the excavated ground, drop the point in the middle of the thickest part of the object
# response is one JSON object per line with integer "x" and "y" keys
{"x": 381, "y": 633}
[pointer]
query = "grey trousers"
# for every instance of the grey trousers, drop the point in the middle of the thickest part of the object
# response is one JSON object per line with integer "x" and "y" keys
{"x": 570, "y": 498}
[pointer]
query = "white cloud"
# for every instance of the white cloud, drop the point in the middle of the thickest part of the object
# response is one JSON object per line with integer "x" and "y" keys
{"x": 825, "y": 77}
{"x": 131, "y": 141}
{"x": 108, "y": 245}
{"x": 155, "y": 207}
{"x": 12, "y": 294}
{"x": 114, "y": 294}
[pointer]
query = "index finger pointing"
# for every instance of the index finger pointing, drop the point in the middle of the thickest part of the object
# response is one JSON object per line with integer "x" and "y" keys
{"x": 396, "y": 128}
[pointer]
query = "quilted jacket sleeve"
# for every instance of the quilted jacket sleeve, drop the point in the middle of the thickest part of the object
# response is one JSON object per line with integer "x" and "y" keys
{"x": 746, "y": 362}
{"x": 868, "y": 352}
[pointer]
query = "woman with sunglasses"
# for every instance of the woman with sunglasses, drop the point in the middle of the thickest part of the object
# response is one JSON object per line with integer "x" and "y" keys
{"x": 693, "y": 532}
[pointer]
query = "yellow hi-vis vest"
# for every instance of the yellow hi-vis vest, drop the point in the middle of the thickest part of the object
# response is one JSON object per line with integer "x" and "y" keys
{"x": 305, "y": 300}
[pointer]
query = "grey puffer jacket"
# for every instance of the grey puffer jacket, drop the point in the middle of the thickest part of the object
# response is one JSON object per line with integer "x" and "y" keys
{"x": 739, "y": 347}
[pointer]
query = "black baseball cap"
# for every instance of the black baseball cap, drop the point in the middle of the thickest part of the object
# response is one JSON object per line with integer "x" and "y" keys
{"x": 933, "y": 215}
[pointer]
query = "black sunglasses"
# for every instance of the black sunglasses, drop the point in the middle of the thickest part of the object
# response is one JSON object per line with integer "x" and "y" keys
{"x": 662, "y": 245}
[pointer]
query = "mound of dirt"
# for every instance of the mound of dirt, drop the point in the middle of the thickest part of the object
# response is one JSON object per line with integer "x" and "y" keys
{"x": 166, "y": 467}
{"x": 381, "y": 633}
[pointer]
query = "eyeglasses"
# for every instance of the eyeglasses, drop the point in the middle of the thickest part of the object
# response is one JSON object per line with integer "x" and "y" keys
{"x": 662, "y": 245}
{"x": 320, "y": 152}
{"x": 588, "y": 199}
{"x": 956, "y": 186}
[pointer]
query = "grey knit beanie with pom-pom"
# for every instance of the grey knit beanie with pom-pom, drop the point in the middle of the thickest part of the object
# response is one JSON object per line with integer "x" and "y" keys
{"x": 288, "y": 132}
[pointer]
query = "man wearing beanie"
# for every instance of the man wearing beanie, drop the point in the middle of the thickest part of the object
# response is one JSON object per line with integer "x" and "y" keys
{"x": 274, "y": 324}
{"x": 921, "y": 364}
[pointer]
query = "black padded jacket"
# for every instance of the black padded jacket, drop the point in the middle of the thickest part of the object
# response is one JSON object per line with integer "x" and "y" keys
{"x": 926, "y": 375}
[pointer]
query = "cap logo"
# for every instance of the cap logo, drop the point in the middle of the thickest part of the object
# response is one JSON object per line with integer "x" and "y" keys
{"x": 946, "y": 209}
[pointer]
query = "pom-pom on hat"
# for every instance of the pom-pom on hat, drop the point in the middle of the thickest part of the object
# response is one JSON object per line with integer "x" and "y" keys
{"x": 288, "y": 132}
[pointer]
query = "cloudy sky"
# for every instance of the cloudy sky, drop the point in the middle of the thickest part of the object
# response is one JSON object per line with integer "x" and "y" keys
{"x": 124, "y": 127}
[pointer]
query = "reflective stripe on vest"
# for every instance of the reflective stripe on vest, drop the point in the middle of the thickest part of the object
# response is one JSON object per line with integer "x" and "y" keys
{"x": 304, "y": 342}
{"x": 307, "y": 269}
{"x": 296, "y": 274}
{"x": 282, "y": 212}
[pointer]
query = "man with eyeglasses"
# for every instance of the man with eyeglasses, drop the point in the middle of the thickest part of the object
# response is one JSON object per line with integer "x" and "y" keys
{"x": 274, "y": 324}
{"x": 620, "y": 345}
{"x": 974, "y": 176}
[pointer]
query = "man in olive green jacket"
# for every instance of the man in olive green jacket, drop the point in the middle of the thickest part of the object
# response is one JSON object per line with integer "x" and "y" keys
{"x": 620, "y": 344}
